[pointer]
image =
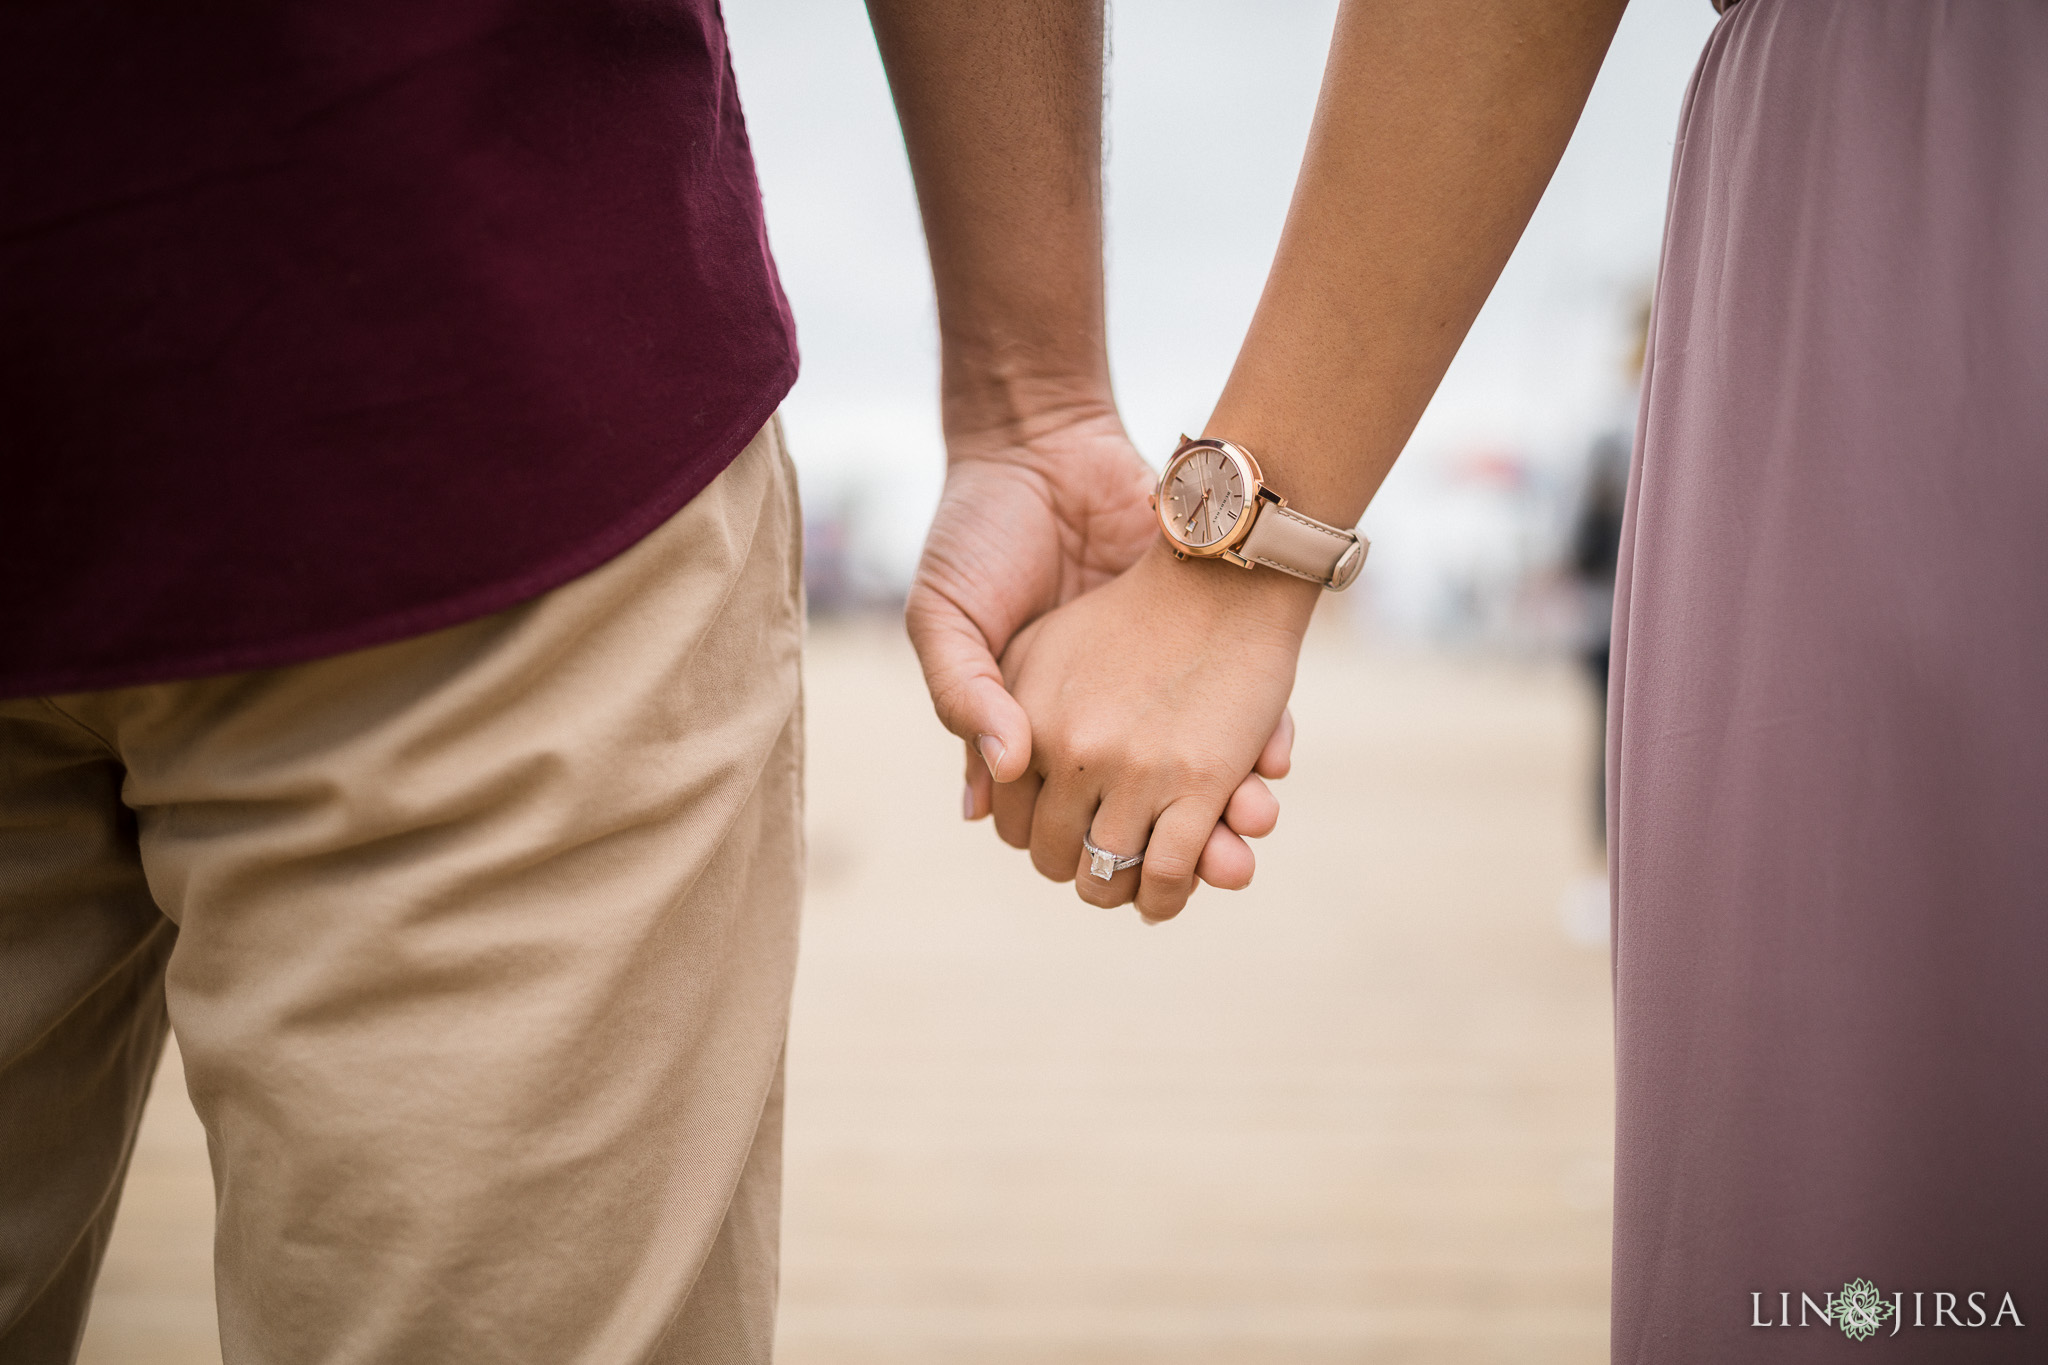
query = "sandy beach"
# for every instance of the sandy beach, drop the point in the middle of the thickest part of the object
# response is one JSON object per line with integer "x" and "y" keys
{"x": 1361, "y": 1112}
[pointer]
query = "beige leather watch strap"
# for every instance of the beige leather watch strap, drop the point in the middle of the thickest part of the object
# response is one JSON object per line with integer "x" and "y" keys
{"x": 1282, "y": 538}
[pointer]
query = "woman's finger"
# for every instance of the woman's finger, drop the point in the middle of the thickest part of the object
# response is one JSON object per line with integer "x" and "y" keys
{"x": 1123, "y": 827}
{"x": 1178, "y": 837}
{"x": 1066, "y": 803}
{"x": 1226, "y": 863}
{"x": 1278, "y": 755}
{"x": 1013, "y": 804}
{"x": 978, "y": 796}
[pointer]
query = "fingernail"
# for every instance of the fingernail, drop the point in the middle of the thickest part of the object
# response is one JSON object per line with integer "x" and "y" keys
{"x": 992, "y": 751}
{"x": 967, "y": 801}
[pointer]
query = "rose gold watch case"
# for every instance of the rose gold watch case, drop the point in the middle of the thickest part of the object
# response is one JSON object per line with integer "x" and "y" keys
{"x": 1256, "y": 496}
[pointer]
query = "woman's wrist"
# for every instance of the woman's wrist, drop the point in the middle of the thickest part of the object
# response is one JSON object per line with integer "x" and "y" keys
{"x": 1210, "y": 593}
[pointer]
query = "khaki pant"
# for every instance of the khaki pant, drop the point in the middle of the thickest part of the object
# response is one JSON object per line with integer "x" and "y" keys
{"x": 478, "y": 948}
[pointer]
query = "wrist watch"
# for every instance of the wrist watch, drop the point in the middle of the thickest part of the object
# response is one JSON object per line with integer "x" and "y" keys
{"x": 1214, "y": 504}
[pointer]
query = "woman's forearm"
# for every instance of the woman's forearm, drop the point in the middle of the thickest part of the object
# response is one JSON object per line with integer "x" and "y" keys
{"x": 1438, "y": 126}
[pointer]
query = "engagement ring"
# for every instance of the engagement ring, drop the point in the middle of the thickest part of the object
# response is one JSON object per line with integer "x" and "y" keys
{"x": 1104, "y": 864}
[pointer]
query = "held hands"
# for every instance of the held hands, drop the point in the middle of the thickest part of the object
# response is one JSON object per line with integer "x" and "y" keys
{"x": 1151, "y": 700}
{"x": 1036, "y": 513}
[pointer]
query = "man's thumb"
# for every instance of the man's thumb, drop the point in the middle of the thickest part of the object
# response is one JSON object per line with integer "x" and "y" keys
{"x": 968, "y": 693}
{"x": 991, "y": 720}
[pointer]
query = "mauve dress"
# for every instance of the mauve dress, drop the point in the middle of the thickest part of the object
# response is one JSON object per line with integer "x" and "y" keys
{"x": 1829, "y": 730}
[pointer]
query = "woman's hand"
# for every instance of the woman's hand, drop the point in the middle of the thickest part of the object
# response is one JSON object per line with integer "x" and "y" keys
{"x": 1037, "y": 512}
{"x": 1151, "y": 701}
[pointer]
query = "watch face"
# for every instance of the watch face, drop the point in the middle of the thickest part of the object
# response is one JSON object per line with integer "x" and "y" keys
{"x": 1204, "y": 497}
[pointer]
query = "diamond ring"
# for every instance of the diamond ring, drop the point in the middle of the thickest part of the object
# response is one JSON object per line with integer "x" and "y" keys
{"x": 1104, "y": 864}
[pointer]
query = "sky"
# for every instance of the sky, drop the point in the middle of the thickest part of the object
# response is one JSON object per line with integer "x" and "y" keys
{"x": 1209, "y": 110}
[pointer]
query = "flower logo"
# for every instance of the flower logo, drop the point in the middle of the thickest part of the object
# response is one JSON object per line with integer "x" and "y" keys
{"x": 1860, "y": 1310}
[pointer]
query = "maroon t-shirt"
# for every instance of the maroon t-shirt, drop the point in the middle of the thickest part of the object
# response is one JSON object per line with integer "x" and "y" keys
{"x": 329, "y": 322}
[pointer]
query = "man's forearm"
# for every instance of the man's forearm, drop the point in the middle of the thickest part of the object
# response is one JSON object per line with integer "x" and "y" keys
{"x": 1439, "y": 125}
{"x": 1001, "y": 105}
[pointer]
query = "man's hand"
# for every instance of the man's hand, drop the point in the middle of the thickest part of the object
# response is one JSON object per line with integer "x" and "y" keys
{"x": 1031, "y": 517}
{"x": 1001, "y": 105}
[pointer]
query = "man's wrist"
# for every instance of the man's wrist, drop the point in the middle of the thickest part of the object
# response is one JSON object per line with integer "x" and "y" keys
{"x": 1008, "y": 400}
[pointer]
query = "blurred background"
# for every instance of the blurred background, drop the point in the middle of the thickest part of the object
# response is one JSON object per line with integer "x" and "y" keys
{"x": 1360, "y": 1112}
